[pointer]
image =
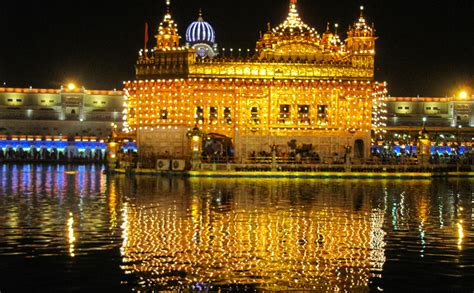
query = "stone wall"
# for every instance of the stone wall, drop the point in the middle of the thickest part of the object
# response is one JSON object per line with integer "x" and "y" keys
{"x": 173, "y": 143}
{"x": 168, "y": 142}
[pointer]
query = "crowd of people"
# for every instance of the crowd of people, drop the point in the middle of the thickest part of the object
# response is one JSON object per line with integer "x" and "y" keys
{"x": 69, "y": 154}
{"x": 436, "y": 158}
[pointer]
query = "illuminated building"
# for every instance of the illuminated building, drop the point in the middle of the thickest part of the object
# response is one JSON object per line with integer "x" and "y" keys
{"x": 53, "y": 119}
{"x": 440, "y": 112}
{"x": 297, "y": 84}
{"x": 54, "y": 112}
{"x": 448, "y": 120}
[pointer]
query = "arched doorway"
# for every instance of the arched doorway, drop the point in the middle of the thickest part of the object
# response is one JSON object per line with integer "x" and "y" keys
{"x": 217, "y": 148}
{"x": 359, "y": 149}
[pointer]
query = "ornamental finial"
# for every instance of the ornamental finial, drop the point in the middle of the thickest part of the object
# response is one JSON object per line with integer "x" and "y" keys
{"x": 361, "y": 11}
{"x": 200, "y": 15}
{"x": 293, "y": 1}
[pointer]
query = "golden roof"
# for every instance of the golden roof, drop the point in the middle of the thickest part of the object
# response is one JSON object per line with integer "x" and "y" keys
{"x": 167, "y": 36}
{"x": 361, "y": 28}
{"x": 293, "y": 26}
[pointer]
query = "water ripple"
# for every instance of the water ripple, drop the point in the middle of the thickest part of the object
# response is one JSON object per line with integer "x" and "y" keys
{"x": 159, "y": 233}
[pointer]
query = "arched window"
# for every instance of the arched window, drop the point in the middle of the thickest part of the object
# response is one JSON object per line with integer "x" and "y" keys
{"x": 254, "y": 115}
{"x": 199, "y": 115}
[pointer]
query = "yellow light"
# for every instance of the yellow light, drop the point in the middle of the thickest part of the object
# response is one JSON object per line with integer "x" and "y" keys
{"x": 460, "y": 234}
{"x": 71, "y": 237}
{"x": 71, "y": 86}
{"x": 463, "y": 94}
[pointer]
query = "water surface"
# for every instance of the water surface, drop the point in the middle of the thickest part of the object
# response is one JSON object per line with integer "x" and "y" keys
{"x": 72, "y": 228}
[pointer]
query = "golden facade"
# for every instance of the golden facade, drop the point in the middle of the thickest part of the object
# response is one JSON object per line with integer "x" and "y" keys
{"x": 298, "y": 85}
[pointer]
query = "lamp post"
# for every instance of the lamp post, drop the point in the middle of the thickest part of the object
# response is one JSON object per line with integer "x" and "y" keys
{"x": 195, "y": 136}
{"x": 424, "y": 145}
{"x": 113, "y": 148}
{"x": 80, "y": 120}
{"x": 458, "y": 140}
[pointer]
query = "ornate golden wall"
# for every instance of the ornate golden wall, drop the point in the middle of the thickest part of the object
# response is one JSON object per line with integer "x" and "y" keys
{"x": 257, "y": 108}
{"x": 347, "y": 105}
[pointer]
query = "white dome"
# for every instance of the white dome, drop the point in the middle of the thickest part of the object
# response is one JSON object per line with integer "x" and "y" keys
{"x": 200, "y": 31}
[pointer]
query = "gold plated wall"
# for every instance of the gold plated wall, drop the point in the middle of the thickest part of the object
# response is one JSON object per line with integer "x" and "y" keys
{"x": 253, "y": 106}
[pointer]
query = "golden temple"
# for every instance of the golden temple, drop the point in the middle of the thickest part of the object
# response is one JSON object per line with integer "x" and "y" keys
{"x": 298, "y": 85}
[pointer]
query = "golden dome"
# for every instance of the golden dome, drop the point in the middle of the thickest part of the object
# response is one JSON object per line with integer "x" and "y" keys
{"x": 293, "y": 26}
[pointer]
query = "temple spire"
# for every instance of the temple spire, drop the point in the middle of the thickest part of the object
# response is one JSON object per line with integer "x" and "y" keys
{"x": 167, "y": 36}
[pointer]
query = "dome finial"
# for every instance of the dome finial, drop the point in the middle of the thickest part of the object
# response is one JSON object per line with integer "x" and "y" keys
{"x": 361, "y": 11}
{"x": 200, "y": 15}
{"x": 168, "y": 2}
{"x": 293, "y": 1}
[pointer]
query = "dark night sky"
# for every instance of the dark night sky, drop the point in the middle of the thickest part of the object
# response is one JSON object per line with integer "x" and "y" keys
{"x": 424, "y": 47}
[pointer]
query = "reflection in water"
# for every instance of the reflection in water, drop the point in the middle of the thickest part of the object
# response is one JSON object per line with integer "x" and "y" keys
{"x": 71, "y": 238}
{"x": 257, "y": 235}
{"x": 461, "y": 234}
{"x": 377, "y": 243}
{"x": 172, "y": 233}
{"x": 125, "y": 227}
{"x": 307, "y": 249}
{"x": 43, "y": 209}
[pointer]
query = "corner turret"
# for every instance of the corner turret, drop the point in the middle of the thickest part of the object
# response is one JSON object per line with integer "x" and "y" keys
{"x": 360, "y": 43}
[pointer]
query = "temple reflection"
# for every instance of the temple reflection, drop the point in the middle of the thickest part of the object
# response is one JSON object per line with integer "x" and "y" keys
{"x": 268, "y": 235}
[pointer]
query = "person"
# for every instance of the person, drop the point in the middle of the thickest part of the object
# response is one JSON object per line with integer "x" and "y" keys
{"x": 54, "y": 153}
{"x": 298, "y": 158}
{"x": 87, "y": 153}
